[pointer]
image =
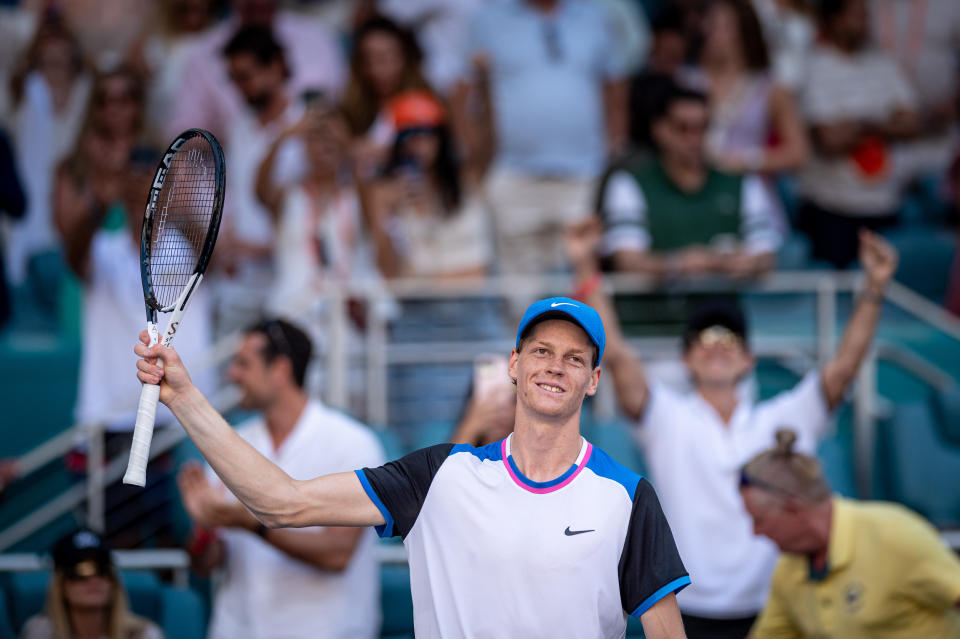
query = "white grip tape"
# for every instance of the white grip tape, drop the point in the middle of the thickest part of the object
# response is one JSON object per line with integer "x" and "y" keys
{"x": 136, "y": 474}
{"x": 142, "y": 435}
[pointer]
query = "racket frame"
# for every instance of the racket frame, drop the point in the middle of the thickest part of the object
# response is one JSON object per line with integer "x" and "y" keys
{"x": 150, "y": 393}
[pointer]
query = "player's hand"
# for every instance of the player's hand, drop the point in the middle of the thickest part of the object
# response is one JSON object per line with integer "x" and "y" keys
{"x": 879, "y": 259}
{"x": 172, "y": 377}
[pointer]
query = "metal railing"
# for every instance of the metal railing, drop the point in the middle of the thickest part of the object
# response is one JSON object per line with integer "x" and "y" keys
{"x": 176, "y": 561}
{"x": 377, "y": 353}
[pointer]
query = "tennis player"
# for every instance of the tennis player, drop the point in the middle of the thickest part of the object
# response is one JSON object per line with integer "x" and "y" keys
{"x": 537, "y": 535}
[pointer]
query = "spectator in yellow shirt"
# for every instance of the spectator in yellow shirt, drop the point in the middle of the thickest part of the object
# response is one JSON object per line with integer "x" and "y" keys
{"x": 849, "y": 569}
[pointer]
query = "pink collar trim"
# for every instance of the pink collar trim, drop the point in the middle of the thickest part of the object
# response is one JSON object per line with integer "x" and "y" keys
{"x": 585, "y": 451}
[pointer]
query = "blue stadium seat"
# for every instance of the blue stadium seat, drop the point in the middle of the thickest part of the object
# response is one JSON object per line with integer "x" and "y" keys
{"x": 916, "y": 464}
{"x": 634, "y": 629}
{"x": 431, "y": 433}
{"x": 396, "y": 602}
{"x": 836, "y": 456}
{"x": 390, "y": 442}
{"x": 946, "y": 406}
{"x": 179, "y": 612}
{"x": 925, "y": 258}
{"x": 6, "y": 627}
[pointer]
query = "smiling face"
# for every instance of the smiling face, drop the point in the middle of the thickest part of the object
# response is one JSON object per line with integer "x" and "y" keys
{"x": 258, "y": 379}
{"x": 554, "y": 370}
{"x": 717, "y": 359}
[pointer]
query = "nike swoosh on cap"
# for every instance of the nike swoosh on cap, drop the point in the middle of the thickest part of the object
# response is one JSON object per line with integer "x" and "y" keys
{"x": 571, "y": 533}
{"x": 563, "y": 304}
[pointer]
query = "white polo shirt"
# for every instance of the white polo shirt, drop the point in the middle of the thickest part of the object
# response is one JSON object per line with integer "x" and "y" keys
{"x": 495, "y": 554}
{"x": 695, "y": 459}
{"x": 267, "y": 594}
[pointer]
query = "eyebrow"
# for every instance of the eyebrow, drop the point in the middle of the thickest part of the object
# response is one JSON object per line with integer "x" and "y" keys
{"x": 575, "y": 350}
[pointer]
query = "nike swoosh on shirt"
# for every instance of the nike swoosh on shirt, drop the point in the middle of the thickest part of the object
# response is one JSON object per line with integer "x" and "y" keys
{"x": 553, "y": 304}
{"x": 571, "y": 533}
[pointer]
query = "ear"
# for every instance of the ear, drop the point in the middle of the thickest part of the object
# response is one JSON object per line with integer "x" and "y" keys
{"x": 594, "y": 382}
{"x": 512, "y": 366}
{"x": 281, "y": 368}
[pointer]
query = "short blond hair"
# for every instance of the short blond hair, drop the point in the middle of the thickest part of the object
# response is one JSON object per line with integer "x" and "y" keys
{"x": 783, "y": 471}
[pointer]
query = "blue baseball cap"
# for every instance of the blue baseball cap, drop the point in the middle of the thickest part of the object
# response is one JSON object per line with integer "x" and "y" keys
{"x": 566, "y": 309}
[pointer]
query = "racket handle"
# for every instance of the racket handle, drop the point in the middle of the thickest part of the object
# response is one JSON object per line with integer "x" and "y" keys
{"x": 142, "y": 435}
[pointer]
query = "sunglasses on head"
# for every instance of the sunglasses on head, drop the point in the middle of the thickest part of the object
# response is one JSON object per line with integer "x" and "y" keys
{"x": 718, "y": 336}
{"x": 86, "y": 569}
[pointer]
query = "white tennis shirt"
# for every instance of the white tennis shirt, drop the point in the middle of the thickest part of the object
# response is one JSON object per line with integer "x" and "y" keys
{"x": 265, "y": 593}
{"x": 493, "y": 553}
{"x": 695, "y": 460}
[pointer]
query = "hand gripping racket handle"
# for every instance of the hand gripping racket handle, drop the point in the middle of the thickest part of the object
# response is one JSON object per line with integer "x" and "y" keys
{"x": 143, "y": 430}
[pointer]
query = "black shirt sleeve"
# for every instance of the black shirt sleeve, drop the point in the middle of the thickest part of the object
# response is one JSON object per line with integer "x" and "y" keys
{"x": 650, "y": 566}
{"x": 398, "y": 488}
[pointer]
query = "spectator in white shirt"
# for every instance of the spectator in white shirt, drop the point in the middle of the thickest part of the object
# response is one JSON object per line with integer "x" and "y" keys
{"x": 695, "y": 443}
{"x": 859, "y": 107}
{"x": 551, "y": 76}
{"x": 206, "y": 99}
{"x": 923, "y": 36}
{"x": 320, "y": 582}
{"x": 50, "y": 91}
{"x": 257, "y": 65}
{"x": 162, "y": 54}
{"x": 98, "y": 209}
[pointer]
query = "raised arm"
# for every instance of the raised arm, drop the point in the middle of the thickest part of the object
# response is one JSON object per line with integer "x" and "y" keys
{"x": 269, "y": 194}
{"x": 629, "y": 379}
{"x": 878, "y": 259}
{"x": 272, "y": 496}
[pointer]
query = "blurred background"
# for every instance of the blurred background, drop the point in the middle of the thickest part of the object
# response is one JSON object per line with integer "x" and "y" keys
{"x": 401, "y": 175}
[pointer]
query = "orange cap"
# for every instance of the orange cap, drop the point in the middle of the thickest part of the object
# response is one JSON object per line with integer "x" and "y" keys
{"x": 416, "y": 109}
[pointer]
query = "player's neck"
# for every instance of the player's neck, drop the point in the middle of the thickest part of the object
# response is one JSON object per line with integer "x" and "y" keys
{"x": 283, "y": 414}
{"x": 544, "y": 450}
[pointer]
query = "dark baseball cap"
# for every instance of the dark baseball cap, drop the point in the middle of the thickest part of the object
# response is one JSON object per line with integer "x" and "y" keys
{"x": 719, "y": 312}
{"x": 566, "y": 309}
{"x": 83, "y": 553}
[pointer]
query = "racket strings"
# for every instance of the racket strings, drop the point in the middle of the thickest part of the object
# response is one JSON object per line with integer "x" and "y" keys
{"x": 182, "y": 219}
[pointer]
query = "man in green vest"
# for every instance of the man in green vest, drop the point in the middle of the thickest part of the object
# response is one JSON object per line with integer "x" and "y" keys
{"x": 673, "y": 215}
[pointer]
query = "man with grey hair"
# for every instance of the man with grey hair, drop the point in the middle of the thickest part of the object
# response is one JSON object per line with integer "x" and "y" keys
{"x": 848, "y": 569}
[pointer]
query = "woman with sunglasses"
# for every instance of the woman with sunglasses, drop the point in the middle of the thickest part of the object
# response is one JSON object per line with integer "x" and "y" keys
{"x": 85, "y": 599}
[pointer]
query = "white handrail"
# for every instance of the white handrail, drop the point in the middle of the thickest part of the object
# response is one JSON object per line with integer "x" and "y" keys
{"x": 825, "y": 284}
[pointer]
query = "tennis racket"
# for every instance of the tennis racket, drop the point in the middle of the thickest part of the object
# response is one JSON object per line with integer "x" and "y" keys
{"x": 180, "y": 227}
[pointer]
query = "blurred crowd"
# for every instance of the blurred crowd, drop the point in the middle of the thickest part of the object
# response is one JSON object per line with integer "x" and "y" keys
{"x": 373, "y": 140}
{"x": 439, "y": 139}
